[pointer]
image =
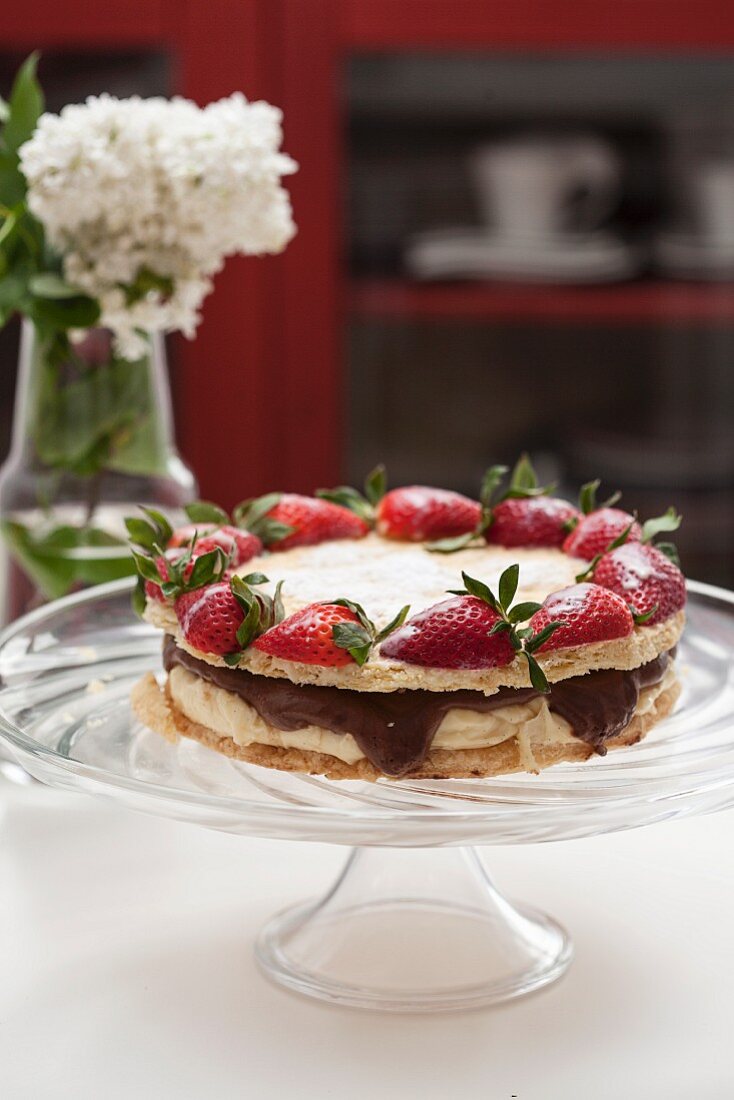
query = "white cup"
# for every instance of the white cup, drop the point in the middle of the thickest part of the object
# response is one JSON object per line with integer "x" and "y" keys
{"x": 545, "y": 187}
{"x": 715, "y": 194}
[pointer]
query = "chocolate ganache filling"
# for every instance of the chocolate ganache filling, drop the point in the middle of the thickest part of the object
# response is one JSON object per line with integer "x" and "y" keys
{"x": 394, "y": 730}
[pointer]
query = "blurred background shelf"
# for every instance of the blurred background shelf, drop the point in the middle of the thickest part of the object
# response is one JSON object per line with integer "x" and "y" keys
{"x": 655, "y": 302}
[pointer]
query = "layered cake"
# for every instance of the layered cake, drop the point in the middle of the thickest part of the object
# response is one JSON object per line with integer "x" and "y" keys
{"x": 415, "y": 632}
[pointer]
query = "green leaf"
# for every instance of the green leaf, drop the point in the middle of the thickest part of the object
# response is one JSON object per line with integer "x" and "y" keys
{"x": 349, "y": 498}
{"x": 587, "y": 496}
{"x": 79, "y": 312}
{"x": 502, "y": 626}
{"x": 248, "y": 512}
{"x": 4, "y": 110}
{"x": 535, "y": 641}
{"x": 642, "y": 617}
{"x": 450, "y": 546}
{"x": 49, "y": 285}
{"x": 61, "y": 558}
{"x": 537, "y": 676}
{"x": 521, "y": 612}
{"x": 25, "y": 105}
{"x": 482, "y": 591}
{"x": 207, "y": 567}
{"x": 249, "y": 628}
{"x": 163, "y": 529}
{"x": 375, "y": 485}
{"x": 203, "y": 511}
{"x": 523, "y": 476}
{"x": 354, "y": 638}
{"x": 621, "y": 538}
{"x": 394, "y": 623}
{"x": 508, "y": 585}
{"x": 253, "y": 578}
{"x": 146, "y": 567}
{"x": 141, "y": 533}
{"x": 139, "y": 600}
{"x": 492, "y": 477}
{"x": 670, "y": 521}
{"x": 231, "y": 659}
{"x": 670, "y": 550}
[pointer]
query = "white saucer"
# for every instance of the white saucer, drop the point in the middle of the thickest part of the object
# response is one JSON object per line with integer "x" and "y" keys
{"x": 684, "y": 256}
{"x": 473, "y": 254}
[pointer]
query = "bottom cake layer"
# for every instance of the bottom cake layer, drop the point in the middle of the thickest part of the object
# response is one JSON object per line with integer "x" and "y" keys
{"x": 527, "y": 743}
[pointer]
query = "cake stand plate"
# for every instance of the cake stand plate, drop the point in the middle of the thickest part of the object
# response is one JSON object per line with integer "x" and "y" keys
{"x": 414, "y": 922}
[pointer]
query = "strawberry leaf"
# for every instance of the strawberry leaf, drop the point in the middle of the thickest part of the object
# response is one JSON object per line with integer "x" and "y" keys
{"x": 479, "y": 589}
{"x": 254, "y": 578}
{"x": 394, "y": 623}
{"x": 207, "y": 567}
{"x": 349, "y": 498}
{"x": 354, "y": 638}
{"x": 670, "y": 550}
{"x": 450, "y": 546}
{"x": 249, "y": 512}
{"x": 375, "y": 485}
{"x": 523, "y": 481}
{"x": 587, "y": 496}
{"x": 203, "y": 511}
{"x": 138, "y": 599}
{"x": 508, "y": 585}
{"x": 523, "y": 611}
{"x": 669, "y": 521}
{"x": 642, "y": 617}
{"x": 537, "y": 676}
{"x": 146, "y": 567}
{"x": 492, "y": 478}
{"x": 535, "y": 641}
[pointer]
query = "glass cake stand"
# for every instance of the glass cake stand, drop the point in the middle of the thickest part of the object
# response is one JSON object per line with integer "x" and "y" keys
{"x": 413, "y": 923}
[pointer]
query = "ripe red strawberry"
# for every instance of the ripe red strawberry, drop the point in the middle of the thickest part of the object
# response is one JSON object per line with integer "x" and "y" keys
{"x": 645, "y": 578}
{"x": 307, "y": 636}
{"x": 239, "y": 544}
{"x": 210, "y": 617}
{"x": 417, "y": 513}
{"x": 596, "y": 531}
{"x": 285, "y": 520}
{"x": 531, "y": 521}
{"x": 452, "y": 634}
{"x": 588, "y": 612}
{"x": 182, "y": 536}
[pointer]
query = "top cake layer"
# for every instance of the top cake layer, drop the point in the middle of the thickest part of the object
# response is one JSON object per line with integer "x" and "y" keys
{"x": 383, "y": 575}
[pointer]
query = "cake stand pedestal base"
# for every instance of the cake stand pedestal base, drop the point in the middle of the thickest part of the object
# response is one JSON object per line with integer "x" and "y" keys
{"x": 413, "y": 930}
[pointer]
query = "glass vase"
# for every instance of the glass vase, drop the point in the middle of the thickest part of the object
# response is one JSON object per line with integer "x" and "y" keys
{"x": 92, "y": 439}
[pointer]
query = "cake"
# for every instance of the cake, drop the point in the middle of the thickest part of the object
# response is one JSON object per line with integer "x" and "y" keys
{"x": 411, "y": 633}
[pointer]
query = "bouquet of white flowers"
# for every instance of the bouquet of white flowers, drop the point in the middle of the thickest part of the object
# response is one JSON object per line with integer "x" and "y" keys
{"x": 141, "y": 200}
{"x": 114, "y": 216}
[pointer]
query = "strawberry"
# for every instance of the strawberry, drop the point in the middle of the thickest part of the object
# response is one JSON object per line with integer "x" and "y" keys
{"x": 239, "y": 545}
{"x": 474, "y": 630}
{"x": 589, "y": 613}
{"x": 285, "y": 520}
{"x": 645, "y": 578}
{"x": 596, "y": 531}
{"x": 224, "y": 618}
{"x": 531, "y": 521}
{"x": 455, "y": 633}
{"x": 417, "y": 513}
{"x": 184, "y": 536}
{"x": 329, "y": 634}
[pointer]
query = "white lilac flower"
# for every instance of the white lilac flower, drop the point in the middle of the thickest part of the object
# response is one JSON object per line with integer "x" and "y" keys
{"x": 135, "y": 191}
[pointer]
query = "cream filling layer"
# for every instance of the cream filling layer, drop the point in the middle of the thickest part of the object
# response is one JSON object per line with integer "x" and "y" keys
{"x": 227, "y": 715}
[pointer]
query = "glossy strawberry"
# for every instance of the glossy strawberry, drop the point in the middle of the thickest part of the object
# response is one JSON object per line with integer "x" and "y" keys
{"x": 645, "y": 578}
{"x": 452, "y": 634}
{"x": 531, "y": 521}
{"x": 308, "y": 636}
{"x": 285, "y": 520}
{"x": 588, "y": 612}
{"x": 597, "y": 531}
{"x": 240, "y": 546}
{"x": 210, "y": 618}
{"x": 417, "y": 513}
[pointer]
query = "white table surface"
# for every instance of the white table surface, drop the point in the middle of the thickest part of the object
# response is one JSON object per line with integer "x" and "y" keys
{"x": 127, "y": 970}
